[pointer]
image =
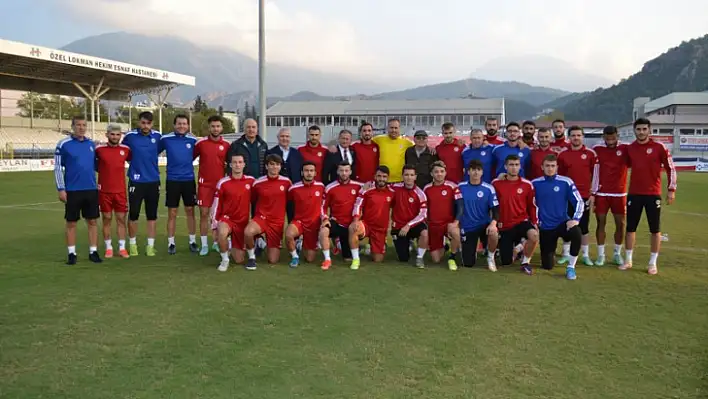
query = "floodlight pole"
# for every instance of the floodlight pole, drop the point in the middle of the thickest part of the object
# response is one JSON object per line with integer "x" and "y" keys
{"x": 160, "y": 102}
{"x": 94, "y": 94}
{"x": 261, "y": 71}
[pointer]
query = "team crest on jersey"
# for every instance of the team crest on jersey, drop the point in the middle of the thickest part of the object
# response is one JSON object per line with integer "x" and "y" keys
{"x": 457, "y": 149}
{"x": 388, "y": 199}
{"x": 122, "y": 152}
{"x": 282, "y": 188}
{"x": 353, "y": 192}
{"x": 221, "y": 148}
{"x": 648, "y": 150}
{"x": 521, "y": 154}
{"x": 375, "y": 149}
{"x": 410, "y": 200}
{"x": 520, "y": 191}
{"x": 152, "y": 141}
{"x": 319, "y": 154}
{"x": 444, "y": 192}
{"x": 619, "y": 153}
{"x": 483, "y": 153}
{"x": 317, "y": 193}
{"x": 584, "y": 156}
{"x": 480, "y": 194}
{"x": 248, "y": 186}
{"x": 556, "y": 189}
{"x": 189, "y": 145}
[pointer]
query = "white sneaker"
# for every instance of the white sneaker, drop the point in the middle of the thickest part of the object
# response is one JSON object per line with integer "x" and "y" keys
{"x": 653, "y": 270}
{"x": 224, "y": 266}
{"x": 491, "y": 265}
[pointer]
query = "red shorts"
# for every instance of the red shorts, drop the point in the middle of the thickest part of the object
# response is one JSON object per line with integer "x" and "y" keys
{"x": 436, "y": 236}
{"x": 310, "y": 233}
{"x": 110, "y": 202}
{"x": 377, "y": 239}
{"x": 273, "y": 232}
{"x": 205, "y": 196}
{"x": 237, "y": 233}
{"x": 605, "y": 203}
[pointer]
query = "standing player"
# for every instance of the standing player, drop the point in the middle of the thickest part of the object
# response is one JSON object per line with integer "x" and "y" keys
{"x": 450, "y": 152}
{"x": 211, "y": 151}
{"x": 370, "y": 218}
{"x": 410, "y": 209}
{"x": 143, "y": 181}
{"x": 528, "y": 131}
{"x": 518, "y": 215}
{"x": 270, "y": 194}
{"x": 307, "y": 197}
{"x": 539, "y": 153}
{"x": 559, "y": 141}
{"x": 553, "y": 193}
{"x": 491, "y": 125}
{"x": 479, "y": 151}
{"x": 337, "y": 210}
{"x": 579, "y": 163}
{"x": 392, "y": 149}
{"x": 232, "y": 208}
{"x": 646, "y": 158}
{"x": 313, "y": 151}
{"x": 76, "y": 185}
{"x": 478, "y": 220}
{"x": 366, "y": 153}
{"x": 512, "y": 145}
{"x": 110, "y": 164}
{"x": 611, "y": 192}
{"x": 179, "y": 148}
{"x": 443, "y": 218}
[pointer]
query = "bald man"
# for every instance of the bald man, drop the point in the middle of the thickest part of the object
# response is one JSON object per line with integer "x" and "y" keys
{"x": 292, "y": 160}
{"x": 252, "y": 147}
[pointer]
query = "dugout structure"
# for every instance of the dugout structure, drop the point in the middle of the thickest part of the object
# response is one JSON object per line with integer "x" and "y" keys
{"x": 31, "y": 68}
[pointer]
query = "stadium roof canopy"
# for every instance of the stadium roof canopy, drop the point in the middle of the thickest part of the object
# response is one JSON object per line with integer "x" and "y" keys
{"x": 489, "y": 106}
{"x": 44, "y": 70}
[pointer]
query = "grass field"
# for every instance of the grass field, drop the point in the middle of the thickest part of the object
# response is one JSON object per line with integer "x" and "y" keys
{"x": 174, "y": 327}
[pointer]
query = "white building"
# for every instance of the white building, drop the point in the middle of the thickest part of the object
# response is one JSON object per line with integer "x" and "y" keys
{"x": 332, "y": 116}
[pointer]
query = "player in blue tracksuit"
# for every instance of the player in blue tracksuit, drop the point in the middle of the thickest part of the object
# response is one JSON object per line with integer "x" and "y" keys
{"x": 179, "y": 149}
{"x": 479, "y": 216}
{"x": 553, "y": 193}
{"x": 481, "y": 152}
{"x": 511, "y": 147}
{"x": 75, "y": 178}
{"x": 143, "y": 181}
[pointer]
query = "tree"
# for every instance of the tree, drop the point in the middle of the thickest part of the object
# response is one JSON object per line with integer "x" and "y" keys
{"x": 199, "y": 104}
{"x": 221, "y": 110}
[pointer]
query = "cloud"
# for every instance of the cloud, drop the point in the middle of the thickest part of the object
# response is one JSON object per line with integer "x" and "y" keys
{"x": 297, "y": 38}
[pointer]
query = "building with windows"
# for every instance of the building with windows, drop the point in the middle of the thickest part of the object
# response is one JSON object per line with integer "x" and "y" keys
{"x": 679, "y": 120}
{"x": 333, "y": 116}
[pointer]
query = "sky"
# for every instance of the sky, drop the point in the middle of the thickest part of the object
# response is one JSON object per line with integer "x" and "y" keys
{"x": 381, "y": 40}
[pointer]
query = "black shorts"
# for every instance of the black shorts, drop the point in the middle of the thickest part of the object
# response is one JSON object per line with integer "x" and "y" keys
{"x": 402, "y": 244}
{"x": 509, "y": 238}
{"x": 469, "y": 245}
{"x": 336, "y": 230}
{"x": 584, "y": 223}
{"x": 651, "y": 204}
{"x": 549, "y": 242}
{"x": 143, "y": 192}
{"x": 82, "y": 203}
{"x": 186, "y": 190}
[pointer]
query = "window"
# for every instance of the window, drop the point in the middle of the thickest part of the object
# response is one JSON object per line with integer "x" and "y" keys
{"x": 666, "y": 131}
{"x": 687, "y": 132}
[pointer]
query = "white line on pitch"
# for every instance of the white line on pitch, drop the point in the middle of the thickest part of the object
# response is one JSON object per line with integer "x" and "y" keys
{"x": 28, "y": 205}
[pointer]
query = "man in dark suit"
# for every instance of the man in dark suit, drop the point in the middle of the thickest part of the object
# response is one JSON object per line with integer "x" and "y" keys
{"x": 342, "y": 152}
{"x": 292, "y": 160}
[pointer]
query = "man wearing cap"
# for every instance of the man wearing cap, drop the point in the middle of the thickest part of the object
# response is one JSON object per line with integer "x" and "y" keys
{"x": 421, "y": 158}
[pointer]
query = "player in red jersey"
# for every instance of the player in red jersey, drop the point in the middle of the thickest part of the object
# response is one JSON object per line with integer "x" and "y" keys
{"x": 110, "y": 164}
{"x": 539, "y": 153}
{"x": 491, "y": 125}
{"x": 442, "y": 220}
{"x": 410, "y": 210}
{"x": 307, "y": 197}
{"x": 646, "y": 158}
{"x": 232, "y": 208}
{"x": 610, "y": 187}
{"x": 559, "y": 141}
{"x": 528, "y": 131}
{"x": 370, "y": 218}
{"x": 270, "y": 194}
{"x": 211, "y": 151}
{"x": 518, "y": 214}
{"x": 337, "y": 210}
{"x": 579, "y": 163}
{"x": 313, "y": 151}
{"x": 366, "y": 153}
{"x": 450, "y": 152}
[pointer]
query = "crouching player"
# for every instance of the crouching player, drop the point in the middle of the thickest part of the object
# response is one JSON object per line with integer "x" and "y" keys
{"x": 553, "y": 193}
{"x": 270, "y": 194}
{"x": 232, "y": 206}
{"x": 306, "y": 197}
{"x": 370, "y": 217}
{"x": 479, "y": 216}
{"x": 339, "y": 201}
{"x": 410, "y": 209}
{"x": 517, "y": 214}
{"x": 442, "y": 221}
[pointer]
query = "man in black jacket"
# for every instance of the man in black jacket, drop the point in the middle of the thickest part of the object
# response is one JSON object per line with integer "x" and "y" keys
{"x": 421, "y": 157}
{"x": 252, "y": 147}
{"x": 342, "y": 152}
{"x": 292, "y": 159}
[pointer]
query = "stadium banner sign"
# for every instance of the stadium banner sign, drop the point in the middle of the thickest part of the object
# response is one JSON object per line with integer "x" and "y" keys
{"x": 663, "y": 139}
{"x": 26, "y": 165}
{"x": 693, "y": 143}
{"x": 701, "y": 166}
